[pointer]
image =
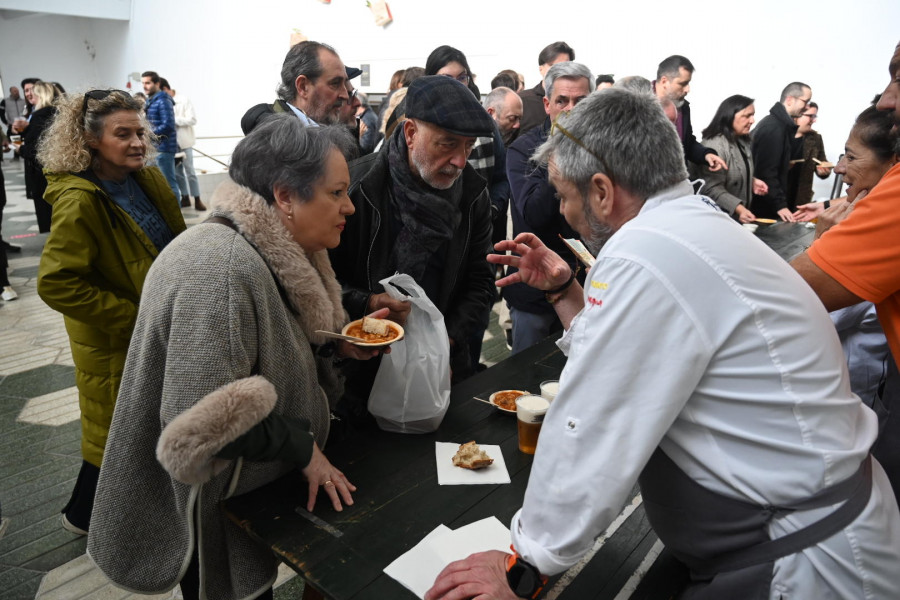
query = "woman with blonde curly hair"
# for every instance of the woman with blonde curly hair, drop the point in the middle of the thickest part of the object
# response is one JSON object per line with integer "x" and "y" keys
{"x": 112, "y": 215}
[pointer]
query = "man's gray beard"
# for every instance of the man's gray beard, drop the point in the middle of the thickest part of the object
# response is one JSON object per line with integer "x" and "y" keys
{"x": 598, "y": 233}
{"x": 678, "y": 103}
{"x": 328, "y": 119}
{"x": 420, "y": 167}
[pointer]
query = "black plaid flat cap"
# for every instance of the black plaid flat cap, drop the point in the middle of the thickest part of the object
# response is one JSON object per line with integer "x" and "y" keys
{"x": 445, "y": 102}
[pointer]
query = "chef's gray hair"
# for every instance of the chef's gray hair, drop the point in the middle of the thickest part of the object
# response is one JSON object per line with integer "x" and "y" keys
{"x": 624, "y": 135}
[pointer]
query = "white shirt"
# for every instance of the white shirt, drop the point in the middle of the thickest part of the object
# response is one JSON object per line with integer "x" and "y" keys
{"x": 698, "y": 338}
{"x": 307, "y": 122}
{"x": 185, "y": 119}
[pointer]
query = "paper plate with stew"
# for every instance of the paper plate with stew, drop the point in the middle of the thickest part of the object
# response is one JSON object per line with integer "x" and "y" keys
{"x": 374, "y": 332}
{"x": 505, "y": 400}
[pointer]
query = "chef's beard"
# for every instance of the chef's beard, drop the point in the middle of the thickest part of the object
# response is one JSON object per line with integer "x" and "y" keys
{"x": 598, "y": 233}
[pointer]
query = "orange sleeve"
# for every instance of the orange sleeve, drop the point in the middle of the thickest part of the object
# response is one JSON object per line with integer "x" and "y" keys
{"x": 862, "y": 253}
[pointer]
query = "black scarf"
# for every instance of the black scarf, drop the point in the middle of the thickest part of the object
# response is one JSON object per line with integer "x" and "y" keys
{"x": 429, "y": 216}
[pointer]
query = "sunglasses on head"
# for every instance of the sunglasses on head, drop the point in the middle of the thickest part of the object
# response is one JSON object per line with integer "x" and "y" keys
{"x": 97, "y": 95}
{"x": 558, "y": 126}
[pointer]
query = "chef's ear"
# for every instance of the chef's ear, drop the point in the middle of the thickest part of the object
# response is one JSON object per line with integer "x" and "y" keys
{"x": 602, "y": 195}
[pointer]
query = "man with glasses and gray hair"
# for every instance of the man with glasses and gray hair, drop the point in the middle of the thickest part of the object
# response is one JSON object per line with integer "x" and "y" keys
{"x": 772, "y": 149}
{"x": 313, "y": 87}
{"x": 535, "y": 208}
{"x": 697, "y": 360}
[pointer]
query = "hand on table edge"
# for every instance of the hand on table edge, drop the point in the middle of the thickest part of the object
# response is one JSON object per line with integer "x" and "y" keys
{"x": 481, "y": 576}
{"x": 320, "y": 472}
{"x": 786, "y": 215}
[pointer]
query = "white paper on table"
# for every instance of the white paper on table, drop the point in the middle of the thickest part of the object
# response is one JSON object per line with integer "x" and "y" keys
{"x": 450, "y": 474}
{"x": 418, "y": 568}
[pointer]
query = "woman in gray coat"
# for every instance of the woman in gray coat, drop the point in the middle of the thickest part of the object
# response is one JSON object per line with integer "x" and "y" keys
{"x": 729, "y": 135}
{"x": 227, "y": 385}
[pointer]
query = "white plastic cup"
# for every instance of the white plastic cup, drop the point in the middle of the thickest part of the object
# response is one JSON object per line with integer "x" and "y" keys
{"x": 530, "y": 411}
{"x": 549, "y": 389}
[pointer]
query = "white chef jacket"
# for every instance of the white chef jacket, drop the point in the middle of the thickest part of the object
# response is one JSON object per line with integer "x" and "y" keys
{"x": 698, "y": 338}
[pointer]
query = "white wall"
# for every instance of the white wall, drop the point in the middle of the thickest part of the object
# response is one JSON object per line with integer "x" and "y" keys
{"x": 101, "y": 9}
{"x": 227, "y": 58}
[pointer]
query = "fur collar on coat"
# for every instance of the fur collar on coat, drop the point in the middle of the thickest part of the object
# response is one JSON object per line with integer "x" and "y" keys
{"x": 312, "y": 290}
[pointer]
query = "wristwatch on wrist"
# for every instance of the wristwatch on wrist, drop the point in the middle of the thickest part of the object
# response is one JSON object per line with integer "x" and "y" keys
{"x": 523, "y": 578}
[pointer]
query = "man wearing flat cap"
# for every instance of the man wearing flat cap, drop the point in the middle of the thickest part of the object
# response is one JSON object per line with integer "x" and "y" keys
{"x": 421, "y": 210}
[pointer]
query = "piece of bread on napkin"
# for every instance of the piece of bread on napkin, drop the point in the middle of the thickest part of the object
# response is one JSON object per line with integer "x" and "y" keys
{"x": 470, "y": 456}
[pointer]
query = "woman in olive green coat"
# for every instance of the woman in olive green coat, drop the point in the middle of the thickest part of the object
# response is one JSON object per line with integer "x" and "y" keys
{"x": 112, "y": 215}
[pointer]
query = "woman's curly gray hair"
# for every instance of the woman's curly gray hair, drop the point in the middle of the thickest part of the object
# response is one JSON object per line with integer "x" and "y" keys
{"x": 64, "y": 147}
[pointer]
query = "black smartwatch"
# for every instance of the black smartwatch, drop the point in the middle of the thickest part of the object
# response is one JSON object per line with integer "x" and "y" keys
{"x": 524, "y": 579}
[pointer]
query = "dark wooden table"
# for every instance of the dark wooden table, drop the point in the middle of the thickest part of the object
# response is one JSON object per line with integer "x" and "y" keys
{"x": 399, "y": 500}
{"x": 787, "y": 239}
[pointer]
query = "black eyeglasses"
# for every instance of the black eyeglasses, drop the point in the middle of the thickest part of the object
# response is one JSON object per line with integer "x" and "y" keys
{"x": 97, "y": 95}
{"x": 463, "y": 77}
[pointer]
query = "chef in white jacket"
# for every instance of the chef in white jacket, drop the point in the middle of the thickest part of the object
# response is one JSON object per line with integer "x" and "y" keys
{"x": 701, "y": 364}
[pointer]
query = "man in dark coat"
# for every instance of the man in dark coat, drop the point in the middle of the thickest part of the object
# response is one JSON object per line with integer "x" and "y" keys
{"x": 533, "y": 100}
{"x": 535, "y": 205}
{"x": 673, "y": 82}
{"x": 771, "y": 149}
{"x": 421, "y": 210}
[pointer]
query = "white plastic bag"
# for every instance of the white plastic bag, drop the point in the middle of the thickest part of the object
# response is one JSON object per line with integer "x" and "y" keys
{"x": 411, "y": 392}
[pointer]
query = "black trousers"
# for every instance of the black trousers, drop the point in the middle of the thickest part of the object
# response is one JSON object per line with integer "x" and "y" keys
{"x": 78, "y": 510}
{"x": 4, "y": 278}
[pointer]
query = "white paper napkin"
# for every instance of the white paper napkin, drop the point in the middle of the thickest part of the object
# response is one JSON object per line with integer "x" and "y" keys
{"x": 417, "y": 569}
{"x": 449, "y": 474}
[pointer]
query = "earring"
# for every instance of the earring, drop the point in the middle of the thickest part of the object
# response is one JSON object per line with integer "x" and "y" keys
{"x": 291, "y": 215}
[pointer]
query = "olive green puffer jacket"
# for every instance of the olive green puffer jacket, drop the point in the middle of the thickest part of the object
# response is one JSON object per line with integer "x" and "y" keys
{"x": 92, "y": 271}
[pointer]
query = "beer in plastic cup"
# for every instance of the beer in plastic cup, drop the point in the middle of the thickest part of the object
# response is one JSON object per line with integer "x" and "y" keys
{"x": 530, "y": 411}
{"x": 549, "y": 389}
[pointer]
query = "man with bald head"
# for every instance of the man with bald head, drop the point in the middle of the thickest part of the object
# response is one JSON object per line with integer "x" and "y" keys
{"x": 505, "y": 107}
